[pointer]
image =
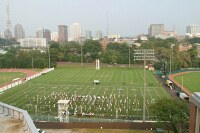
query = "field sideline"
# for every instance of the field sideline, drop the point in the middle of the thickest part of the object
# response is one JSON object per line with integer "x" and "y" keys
{"x": 119, "y": 95}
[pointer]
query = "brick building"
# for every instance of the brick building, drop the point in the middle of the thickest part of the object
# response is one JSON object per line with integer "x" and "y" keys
{"x": 195, "y": 113}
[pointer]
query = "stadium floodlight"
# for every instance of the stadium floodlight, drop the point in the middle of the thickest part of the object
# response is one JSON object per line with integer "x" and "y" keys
{"x": 144, "y": 55}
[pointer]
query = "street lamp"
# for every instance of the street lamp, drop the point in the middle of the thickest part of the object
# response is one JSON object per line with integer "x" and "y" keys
{"x": 144, "y": 55}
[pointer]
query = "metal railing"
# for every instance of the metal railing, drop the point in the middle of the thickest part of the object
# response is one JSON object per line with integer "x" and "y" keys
{"x": 19, "y": 114}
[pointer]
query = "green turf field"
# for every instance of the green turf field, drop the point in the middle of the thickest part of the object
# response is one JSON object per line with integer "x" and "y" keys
{"x": 9, "y": 76}
{"x": 120, "y": 93}
{"x": 190, "y": 81}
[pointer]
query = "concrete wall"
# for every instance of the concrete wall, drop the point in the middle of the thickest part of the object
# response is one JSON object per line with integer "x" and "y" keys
{"x": 19, "y": 114}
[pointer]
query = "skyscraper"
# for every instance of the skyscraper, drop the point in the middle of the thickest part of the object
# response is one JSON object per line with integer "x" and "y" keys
{"x": 192, "y": 29}
{"x": 62, "y": 33}
{"x": 99, "y": 34}
{"x": 88, "y": 34}
{"x": 75, "y": 31}
{"x": 7, "y": 34}
{"x": 8, "y": 31}
{"x": 44, "y": 33}
{"x": 156, "y": 29}
{"x": 19, "y": 31}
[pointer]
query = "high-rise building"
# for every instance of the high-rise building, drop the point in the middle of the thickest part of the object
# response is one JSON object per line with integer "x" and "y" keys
{"x": 44, "y": 33}
{"x": 8, "y": 31}
{"x": 19, "y": 31}
{"x": 156, "y": 29}
{"x": 99, "y": 34}
{"x": 88, "y": 34}
{"x": 192, "y": 29}
{"x": 75, "y": 32}
{"x": 7, "y": 34}
{"x": 54, "y": 36}
{"x": 62, "y": 33}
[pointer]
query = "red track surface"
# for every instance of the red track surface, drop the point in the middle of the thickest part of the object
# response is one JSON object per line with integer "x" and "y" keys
{"x": 29, "y": 73}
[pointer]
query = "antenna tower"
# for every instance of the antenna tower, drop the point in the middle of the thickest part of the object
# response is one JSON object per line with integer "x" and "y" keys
{"x": 107, "y": 25}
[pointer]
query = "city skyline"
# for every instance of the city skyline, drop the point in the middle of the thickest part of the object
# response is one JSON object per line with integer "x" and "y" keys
{"x": 127, "y": 17}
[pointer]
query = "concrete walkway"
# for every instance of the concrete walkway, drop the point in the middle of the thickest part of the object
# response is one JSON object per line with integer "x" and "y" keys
{"x": 59, "y": 131}
{"x": 10, "y": 125}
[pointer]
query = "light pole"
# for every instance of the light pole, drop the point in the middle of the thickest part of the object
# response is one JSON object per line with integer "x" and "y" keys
{"x": 81, "y": 55}
{"x": 171, "y": 57}
{"x": 129, "y": 57}
{"x": 49, "y": 56}
{"x": 144, "y": 55}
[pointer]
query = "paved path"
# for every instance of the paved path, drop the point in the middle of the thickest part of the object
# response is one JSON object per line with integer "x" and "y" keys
{"x": 172, "y": 92}
{"x": 59, "y": 131}
{"x": 10, "y": 125}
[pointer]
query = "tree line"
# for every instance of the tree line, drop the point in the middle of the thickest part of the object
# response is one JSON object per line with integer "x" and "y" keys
{"x": 20, "y": 58}
{"x": 115, "y": 53}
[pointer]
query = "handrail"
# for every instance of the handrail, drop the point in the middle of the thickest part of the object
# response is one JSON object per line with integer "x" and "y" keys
{"x": 18, "y": 114}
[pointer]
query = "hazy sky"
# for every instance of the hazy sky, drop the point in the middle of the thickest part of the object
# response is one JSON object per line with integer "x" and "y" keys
{"x": 126, "y": 17}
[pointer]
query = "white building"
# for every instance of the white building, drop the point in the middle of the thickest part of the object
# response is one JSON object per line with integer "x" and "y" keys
{"x": 115, "y": 37}
{"x": 192, "y": 29}
{"x": 2, "y": 35}
{"x": 33, "y": 42}
{"x": 19, "y": 31}
{"x": 54, "y": 36}
{"x": 75, "y": 32}
{"x": 127, "y": 40}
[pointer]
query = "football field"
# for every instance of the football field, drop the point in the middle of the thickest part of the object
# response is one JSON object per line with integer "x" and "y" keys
{"x": 119, "y": 94}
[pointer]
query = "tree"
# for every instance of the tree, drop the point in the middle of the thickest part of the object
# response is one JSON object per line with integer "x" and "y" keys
{"x": 172, "y": 114}
{"x": 92, "y": 48}
{"x": 110, "y": 56}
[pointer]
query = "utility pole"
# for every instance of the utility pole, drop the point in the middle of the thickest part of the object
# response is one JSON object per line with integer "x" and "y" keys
{"x": 107, "y": 26}
{"x": 32, "y": 63}
{"x": 81, "y": 55}
{"x": 129, "y": 59}
{"x": 144, "y": 55}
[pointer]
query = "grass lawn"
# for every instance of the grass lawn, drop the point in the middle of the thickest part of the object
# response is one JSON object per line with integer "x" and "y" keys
{"x": 119, "y": 94}
{"x": 9, "y": 76}
{"x": 190, "y": 81}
